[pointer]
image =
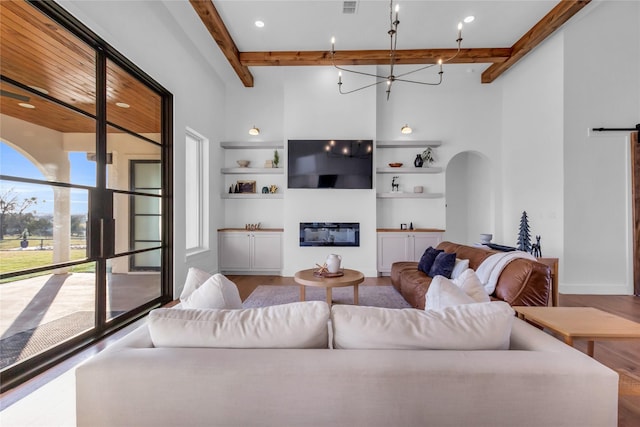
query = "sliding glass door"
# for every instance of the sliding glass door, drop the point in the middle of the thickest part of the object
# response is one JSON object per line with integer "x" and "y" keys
{"x": 85, "y": 186}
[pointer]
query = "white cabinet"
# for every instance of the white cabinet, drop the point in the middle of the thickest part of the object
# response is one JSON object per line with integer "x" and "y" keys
{"x": 244, "y": 251}
{"x": 409, "y": 245}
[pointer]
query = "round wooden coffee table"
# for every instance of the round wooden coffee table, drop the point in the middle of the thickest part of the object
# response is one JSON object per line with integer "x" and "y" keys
{"x": 350, "y": 278}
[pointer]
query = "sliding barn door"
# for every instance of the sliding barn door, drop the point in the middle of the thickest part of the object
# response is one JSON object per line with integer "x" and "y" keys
{"x": 635, "y": 188}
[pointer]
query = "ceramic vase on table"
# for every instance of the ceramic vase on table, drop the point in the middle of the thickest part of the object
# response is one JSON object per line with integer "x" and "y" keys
{"x": 418, "y": 162}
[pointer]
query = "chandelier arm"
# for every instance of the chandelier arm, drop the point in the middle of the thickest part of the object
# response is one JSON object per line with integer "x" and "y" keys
{"x": 415, "y": 71}
{"x": 421, "y": 83}
{"x": 359, "y": 72}
{"x": 360, "y": 88}
{"x": 444, "y": 61}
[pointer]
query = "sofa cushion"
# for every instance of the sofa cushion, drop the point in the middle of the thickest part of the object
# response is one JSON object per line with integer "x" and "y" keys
{"x": 470, "y": 283}
{"x": 460, "y": 266}
{"x": 427, "y": 259}
{"x": 195, "y": 278}
{"x": 443, "y": 265}
{"x": 478, "y": 326}
{"x": 294, "y": 325}
{"x": 216, "y": 292}
{"x": 444, "y": 293}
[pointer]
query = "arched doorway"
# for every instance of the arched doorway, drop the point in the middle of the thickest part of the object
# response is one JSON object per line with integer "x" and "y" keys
{"x": 470, "y": 198}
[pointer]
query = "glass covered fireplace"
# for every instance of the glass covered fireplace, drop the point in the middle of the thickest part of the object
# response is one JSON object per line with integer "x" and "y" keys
{"x": 329, "y": 234}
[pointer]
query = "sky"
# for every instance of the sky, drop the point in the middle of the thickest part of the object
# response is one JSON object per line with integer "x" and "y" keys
{"x": 15, "y": 164}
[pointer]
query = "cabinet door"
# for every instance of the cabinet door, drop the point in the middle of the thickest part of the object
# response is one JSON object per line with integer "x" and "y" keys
{"x": 267, "y": 251}
{"x": 392, "y": 247}
{"x": 421, "y": 241}
{"x": 234, "y": 251}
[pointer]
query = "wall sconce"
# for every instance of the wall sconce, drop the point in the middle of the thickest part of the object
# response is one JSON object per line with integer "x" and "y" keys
{"x": 254, "y": 131}
{"x": 406, "y": 130}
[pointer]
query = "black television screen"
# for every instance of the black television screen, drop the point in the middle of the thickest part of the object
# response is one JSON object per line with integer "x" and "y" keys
{"x": 330, "y": 163}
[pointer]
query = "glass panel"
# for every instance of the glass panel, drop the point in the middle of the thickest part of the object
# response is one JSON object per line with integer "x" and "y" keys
{"x": 147, "y": 205}
{"x": 47, "y": 58}
{"x": 147, "y": 228}
{"x": 131, "y": 104}
{"x": 137, "y": 219}
{"x": 41, "y": 225}
{"x": 47, "y": 142}
{"x": 42, "y": 310}
{"x": 126, "y": 152}
{"x": 126, "y": 291}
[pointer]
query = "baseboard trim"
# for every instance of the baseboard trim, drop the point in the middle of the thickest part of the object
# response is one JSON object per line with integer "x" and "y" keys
{"x": 596, "y": 289}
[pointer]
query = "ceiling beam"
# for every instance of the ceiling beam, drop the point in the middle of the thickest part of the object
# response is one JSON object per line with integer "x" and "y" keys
{"x": 553, "y": 20}
{"x": 373, "y": 57}
{"x": 211, "y": 19}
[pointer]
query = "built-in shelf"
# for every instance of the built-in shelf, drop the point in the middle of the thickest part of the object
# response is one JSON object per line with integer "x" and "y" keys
{"x": 252, "y": 196}
{"x": 400, "y": 195}
{"x": 254, "y": 171}
{"x": 409, "y": 169}
{"x": 407, "y": 144}
{"x": 252, "y": 144}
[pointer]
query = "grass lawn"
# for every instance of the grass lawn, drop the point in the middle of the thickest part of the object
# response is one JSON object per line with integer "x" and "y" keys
{"x": 16, "y": 260}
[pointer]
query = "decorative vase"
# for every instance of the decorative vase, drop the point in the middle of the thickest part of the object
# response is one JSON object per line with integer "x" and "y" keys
{"x": 418, "y": 162}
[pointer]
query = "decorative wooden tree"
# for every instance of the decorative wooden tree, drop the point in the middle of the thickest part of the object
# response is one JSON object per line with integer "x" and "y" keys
{"x": 524, "y": 238}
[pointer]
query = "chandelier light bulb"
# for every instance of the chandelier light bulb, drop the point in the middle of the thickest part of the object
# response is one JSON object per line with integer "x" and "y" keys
{"x": 406, "y": 130}
{"x": 254, "y": 131}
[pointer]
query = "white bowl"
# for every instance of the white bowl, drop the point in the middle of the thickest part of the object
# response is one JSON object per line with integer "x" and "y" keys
{"x": 243, "y": 163}
{"x": 486, "y": 238}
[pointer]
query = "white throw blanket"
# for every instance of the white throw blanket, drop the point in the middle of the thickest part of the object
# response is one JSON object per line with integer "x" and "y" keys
{"x": 492, "y": 267}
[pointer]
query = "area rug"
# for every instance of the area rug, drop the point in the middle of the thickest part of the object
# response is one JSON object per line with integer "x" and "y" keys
{"x": 373, "y": 296}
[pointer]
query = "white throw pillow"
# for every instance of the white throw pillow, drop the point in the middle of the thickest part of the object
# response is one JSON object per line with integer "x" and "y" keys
{"x": 478, "y": 326}
{"x": 294, "y": 325}
{"x": 443, "y": 293}
{"x": 195, "y": 278}
{"x": 216, "y": 292}
{"x": 470, "y": 283}
{"x": 460, "y": 266}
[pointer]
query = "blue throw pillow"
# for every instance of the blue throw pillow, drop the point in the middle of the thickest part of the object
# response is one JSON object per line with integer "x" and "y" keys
{"x": 443, "y": 265}
{"x": 427, "y": 259}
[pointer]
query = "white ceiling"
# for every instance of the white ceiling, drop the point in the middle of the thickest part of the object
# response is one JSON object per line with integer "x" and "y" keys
{"x": 310, "y": 24}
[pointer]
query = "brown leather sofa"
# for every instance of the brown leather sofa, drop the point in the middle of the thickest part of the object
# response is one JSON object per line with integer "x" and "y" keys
{"x": 522, "y": 282}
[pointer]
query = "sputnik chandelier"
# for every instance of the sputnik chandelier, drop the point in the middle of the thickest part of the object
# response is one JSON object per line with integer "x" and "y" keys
{"x": 391, "y": 77}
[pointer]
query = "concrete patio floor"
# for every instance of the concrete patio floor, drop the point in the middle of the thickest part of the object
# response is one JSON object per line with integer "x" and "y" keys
{"x": 38, "y": 301}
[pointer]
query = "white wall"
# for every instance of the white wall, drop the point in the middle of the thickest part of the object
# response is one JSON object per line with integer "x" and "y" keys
{"x": 150, "y": 35}
{"x": 579, "y": 200}
{"x": 532, "y": 148}
{"x": 601, "y": 87}
{"x": 313, "y": 108}
{"x": 470, "y": 201}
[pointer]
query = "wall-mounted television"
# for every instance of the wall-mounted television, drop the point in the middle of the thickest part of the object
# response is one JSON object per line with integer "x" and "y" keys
{"x": 330, "y": 163}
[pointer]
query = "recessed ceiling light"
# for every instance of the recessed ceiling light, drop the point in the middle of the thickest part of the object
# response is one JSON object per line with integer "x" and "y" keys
{"x": 259, "y": 24}
{"x": 469, "y": 18}
{"x": 25, "y": 105}
{"x": 122, "y": 105}
{"x": 39, "y": 89}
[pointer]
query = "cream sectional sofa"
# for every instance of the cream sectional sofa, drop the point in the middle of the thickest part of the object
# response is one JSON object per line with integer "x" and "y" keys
{"x": 537, "y": 381}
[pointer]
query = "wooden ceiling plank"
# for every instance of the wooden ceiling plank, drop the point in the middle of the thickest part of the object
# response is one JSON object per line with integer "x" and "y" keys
{"x": 213, "y": 22}
{"x": 373, "y": 57}
{"x": 553, "y": 20}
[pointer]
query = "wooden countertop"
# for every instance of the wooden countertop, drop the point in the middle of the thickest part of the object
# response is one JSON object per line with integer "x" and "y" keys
{"x": 256, "y": 230}
{"x": 397, "y": 230}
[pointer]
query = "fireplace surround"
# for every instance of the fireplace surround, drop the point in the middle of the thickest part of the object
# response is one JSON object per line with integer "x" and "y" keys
{"x": 329, "y": 234}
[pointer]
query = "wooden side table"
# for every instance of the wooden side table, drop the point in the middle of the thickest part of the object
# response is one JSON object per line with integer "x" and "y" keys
{"x": 553, "y": 264}
{"x": 581, "y": 323}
